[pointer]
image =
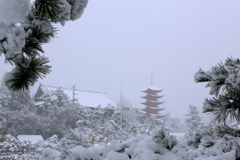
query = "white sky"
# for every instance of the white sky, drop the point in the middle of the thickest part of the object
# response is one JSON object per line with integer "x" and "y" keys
{"x": 170, "y": 39}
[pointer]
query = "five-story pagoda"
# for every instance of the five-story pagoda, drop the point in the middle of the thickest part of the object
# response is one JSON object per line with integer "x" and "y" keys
{"x": 152, "y": 104}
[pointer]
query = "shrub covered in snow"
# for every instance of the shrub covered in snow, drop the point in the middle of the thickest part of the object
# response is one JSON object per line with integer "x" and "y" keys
{"x": 161, "y": 136}
{"x": 13, "y": 144}
{"x": 201, "y": 144}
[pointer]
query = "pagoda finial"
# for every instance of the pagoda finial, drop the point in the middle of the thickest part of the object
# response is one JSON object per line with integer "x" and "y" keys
{"x": 121, "y": 84}
{"x": 151, "y": 79}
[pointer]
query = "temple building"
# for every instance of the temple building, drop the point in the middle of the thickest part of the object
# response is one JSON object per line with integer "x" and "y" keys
{"x": 152, "y": 104}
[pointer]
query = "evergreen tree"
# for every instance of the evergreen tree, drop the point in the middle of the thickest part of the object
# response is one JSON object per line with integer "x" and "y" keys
{"x": 176, "y": 125}
{"x": 11, "y": 100}
{"x": 173, "y": 124}
{"x": 57, "y": 98}
{"x": 17, "y": 112}
{"x": 151, "y": 123}
{"x": 124, "y": 101}
{"x": 192, "y": 120}
{"x": 21, "y": 43}
{"x": 3, "y": 122}
{"x": 224, "y": 83}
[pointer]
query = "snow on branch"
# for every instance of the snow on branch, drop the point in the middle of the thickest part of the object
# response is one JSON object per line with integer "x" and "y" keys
{"x": 13, "y": 11}
{"x": 224, "y": 83}
{"x": 202, "y": 76}
{"x": 23, "y": 30}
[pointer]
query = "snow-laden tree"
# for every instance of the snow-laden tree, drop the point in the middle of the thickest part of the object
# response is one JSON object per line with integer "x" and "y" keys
{"x": 111, "y": 130}
{"x": 103, "y": 124}
{"x": 124, "y": 101}
{"x": 11, "y": 100}
{"x": 12, "y": 11}
{"x": 193, "y": 120}
{"x": 57, "y": 98}
{"x": 151, "y": 123}
{"x": 17, "y": 112}
{"x": 4, "y": 95}
{"x": 173, "y": 124}
{"x": 224, "y": 82}
{"x": 58, "y": 119}
{"x": 3, "y": 122}
{"x": 23, "y": 30}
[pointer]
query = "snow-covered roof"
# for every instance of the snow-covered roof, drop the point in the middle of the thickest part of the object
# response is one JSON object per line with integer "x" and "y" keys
{"x": 32, "y": 138}
{"x": 152, "y": 88}
{"x": 152, "y": 102}
{"x": 149, "y": 96}
{"x": 45, "y": 89}
{"x": 156, "y": 108}
{"x": 85, "y": 98}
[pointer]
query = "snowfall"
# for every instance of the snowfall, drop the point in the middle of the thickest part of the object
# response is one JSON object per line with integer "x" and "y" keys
{"x": 157, "y": 146}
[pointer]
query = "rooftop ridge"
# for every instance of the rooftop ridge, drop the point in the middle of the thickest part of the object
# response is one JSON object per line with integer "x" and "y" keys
{"x": 75, "y": 89}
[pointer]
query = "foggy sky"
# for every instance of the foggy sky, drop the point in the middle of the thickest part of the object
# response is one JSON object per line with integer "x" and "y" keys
{"x": 170, "y": 39}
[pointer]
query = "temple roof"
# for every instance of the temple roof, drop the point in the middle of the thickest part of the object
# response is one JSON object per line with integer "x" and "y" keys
{"x": 85, "y": 98}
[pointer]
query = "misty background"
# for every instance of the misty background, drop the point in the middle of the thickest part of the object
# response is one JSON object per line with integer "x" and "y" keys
{"x": 126, "y": 41}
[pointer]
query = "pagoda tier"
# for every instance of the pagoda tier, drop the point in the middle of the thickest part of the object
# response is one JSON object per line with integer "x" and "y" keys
{"x": 152, "y": 110}
{"x": 152, "y": 103}
{"x": 149, "y": 115}
{"x": 152, "y": 90}
{"x": 152, "y": 97}
{"x": 156, "y": 115}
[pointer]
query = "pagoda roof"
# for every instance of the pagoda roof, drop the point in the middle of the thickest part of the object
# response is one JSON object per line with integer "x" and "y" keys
{"x": 149, "y": 103}
{"x": 149, "y": 96}
{"x": 152, "y": 108}
{"x": 156, "y": 108}
{"x": 152, "y": 88}
{"x": 151, "y": 115}
{"x": 156, "y": 115}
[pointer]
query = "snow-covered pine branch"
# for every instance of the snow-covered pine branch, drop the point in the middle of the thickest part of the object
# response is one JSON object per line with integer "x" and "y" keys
{"x": 224, "y": 83}
{"x": 23, "y": 30}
